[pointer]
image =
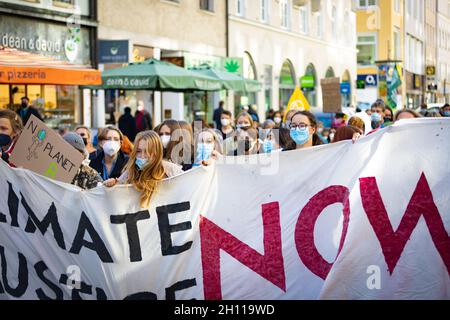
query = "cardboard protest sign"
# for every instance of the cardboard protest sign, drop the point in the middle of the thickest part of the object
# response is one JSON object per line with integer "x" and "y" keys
{"x": 42, "y": 150}
{"x": 331, "y": 95}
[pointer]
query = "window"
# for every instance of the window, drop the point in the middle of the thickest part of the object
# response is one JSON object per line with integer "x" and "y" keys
{"x": 319, "y": 30}
{"x": 240, "y": 8}
{"x": 364, "y": 4}
{"x": 334, "y": 23}
{"x": 397, "y": 7}
{"x": 397, "y": 46}
{"x": 367, "y": 50}
{"x": 264, "y": 10}
{"x": 285, "y": 14}
{"x": 207, "y": 5}
{"x": 304, "y": 19}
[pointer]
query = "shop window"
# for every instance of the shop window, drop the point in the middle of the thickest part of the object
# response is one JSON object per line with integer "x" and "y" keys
{"x": 17, "y": 93}
{"x": 4, "y": 96}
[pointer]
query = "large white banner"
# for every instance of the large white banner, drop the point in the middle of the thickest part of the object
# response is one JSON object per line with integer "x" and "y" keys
{"x": 348, "y": 221}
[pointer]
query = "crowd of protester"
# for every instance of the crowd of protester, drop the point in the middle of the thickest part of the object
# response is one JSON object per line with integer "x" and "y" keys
{"x": 134, "y": 154}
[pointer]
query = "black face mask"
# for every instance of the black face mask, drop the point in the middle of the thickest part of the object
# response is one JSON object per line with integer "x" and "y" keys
{"x": 85, "y": 141}
{"x": 24, "y": 105}
{"x": 4, "y": 140}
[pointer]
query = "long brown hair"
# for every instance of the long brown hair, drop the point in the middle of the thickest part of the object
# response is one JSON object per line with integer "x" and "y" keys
{"x": 146, "y": 180}
{"x": 173, "y": 126}
{"x": 346, "y": 133}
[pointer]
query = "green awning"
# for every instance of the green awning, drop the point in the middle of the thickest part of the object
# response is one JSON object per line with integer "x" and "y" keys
{"x": 230, "y": 81}
{"x": 158, "y": 76}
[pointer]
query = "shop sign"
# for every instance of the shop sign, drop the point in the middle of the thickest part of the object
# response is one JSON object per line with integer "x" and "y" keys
{"x": 59, "y": 41}
{"x": 113, "y": 51}
{"x": 307, "y": 82}
{"x": 345, "y": 88}
{"x": 369, "y": 80}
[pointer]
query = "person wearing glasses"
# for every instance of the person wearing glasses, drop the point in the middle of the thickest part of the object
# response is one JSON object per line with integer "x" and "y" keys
{"x": 303, "y": 128}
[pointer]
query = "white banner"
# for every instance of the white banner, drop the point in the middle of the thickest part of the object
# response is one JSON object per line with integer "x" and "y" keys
{"x": 348, "y": 221}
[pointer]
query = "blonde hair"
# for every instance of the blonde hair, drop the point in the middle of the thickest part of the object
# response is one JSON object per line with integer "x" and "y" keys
{"x": 146, "y": 180}
{"x": 358, "y": 123}
{"x": 246, "y": 115}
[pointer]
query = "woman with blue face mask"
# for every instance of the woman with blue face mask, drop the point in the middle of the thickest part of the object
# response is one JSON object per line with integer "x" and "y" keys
{"x": 207, "y": 148}
{"x": 146, "y": 167}
{"x": 271, "y": 142}
{"x": 304, "y": 130}
{"x": 445, "y": 111}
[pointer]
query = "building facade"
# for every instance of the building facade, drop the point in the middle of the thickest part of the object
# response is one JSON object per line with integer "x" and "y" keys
{"x": 415, "y": 37}
{"x": 431, "y": 50}
{"x": 187, "y": 33}
{"x": 65, "y": 30}
{"x": 443, "y": 64}
{"x": 380, "y": 45}
{"x": 286, "y": 43}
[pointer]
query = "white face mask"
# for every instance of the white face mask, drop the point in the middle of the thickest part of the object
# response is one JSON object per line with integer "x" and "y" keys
{"x": 277, "y": 120}
{"x": 111, "y": 148}
{"x": 331, "y": 136}
{"x": 165, "y": 141}
{"x": 225, "y": 122}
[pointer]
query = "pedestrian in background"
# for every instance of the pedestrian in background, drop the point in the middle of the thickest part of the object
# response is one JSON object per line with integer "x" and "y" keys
{"x": 26, "y": 111}
{"x": 217, "y": 115}
{"x": 227, "y": 127}
{"x": 143, "y": 118}
{"x": 127, "y": 124}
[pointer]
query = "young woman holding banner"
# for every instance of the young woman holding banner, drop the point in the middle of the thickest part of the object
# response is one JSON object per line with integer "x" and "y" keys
{"x": 146, "y": 167}
{"x": 10, "y": 129}
{"x": 304, "y": 130}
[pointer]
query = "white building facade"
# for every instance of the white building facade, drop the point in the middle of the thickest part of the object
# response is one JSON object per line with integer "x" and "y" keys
{"x": 443, "y": 67}
{"x": 286, "y": 43}
{"x": 415, "y": 37}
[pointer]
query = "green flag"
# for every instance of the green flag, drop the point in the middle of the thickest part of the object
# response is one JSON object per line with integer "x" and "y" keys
{"x": 396, "y": 82}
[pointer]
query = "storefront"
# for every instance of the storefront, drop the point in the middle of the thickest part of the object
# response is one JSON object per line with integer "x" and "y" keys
{"x": 367, "y": 90}
{"x": 346, "y": 90}
{"x": 114, "y": 54}
{"x": 308, "y": 84}
{"x": 287, "y": 83}
{"x": 414, "y": 90}
{"x": 61, "y": 105}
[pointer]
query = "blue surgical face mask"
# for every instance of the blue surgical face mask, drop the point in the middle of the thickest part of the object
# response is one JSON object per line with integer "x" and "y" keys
{"x": 141, "y": 163}
{"x": 300, "y": 136}
{"x": 204, "y": 151}
{"x": 376, "y": 117}
{"x": 268, "y": 146}
{"x": 446, "y": 113}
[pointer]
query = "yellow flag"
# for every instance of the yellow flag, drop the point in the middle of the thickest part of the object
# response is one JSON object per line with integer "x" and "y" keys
{"x": 297, "y": 102}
